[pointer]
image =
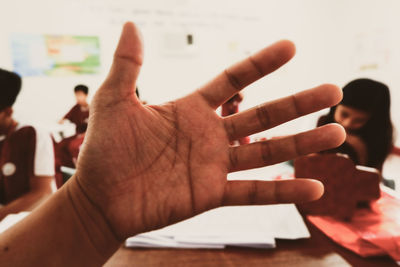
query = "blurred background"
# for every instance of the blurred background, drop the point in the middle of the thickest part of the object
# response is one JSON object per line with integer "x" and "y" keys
{"x": 57, "y": 44}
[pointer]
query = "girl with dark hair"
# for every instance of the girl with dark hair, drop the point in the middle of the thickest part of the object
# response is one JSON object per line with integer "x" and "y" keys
{"x": 364, "y": 112}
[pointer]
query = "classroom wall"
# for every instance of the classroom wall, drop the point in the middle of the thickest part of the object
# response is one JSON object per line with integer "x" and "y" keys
{"x": 336, "y": 41}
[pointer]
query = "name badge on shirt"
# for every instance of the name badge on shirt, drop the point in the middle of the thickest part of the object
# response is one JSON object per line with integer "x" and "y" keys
{"x": 8, "y": 169}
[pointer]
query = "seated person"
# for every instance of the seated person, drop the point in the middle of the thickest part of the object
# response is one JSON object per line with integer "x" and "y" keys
{"x": 67, "y": 150}
{"x": 364, "y": 113}
{"x": 79, "y": 114}
{"x": 26, "y": 155}
{"x": 66, "y": 153}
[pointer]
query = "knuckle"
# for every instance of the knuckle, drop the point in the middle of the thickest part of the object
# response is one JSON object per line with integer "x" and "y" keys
{"x": 263, "y": 116}
{"x": 266, "y": 152}
{"x": 252, "y": 193}
{"x": 277, "y": 192}
{"x": 256, "y": 66}
{"x": 230, "y": 128}
{"x": 233, "y": 158}
{"x": 233, "y": 80}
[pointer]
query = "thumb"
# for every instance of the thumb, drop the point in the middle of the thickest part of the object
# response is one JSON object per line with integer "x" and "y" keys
{"x": 128, "y": 59}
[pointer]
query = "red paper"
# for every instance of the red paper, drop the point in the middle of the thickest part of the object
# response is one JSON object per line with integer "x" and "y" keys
{"x": 346, "y": 185}
{"x": 372, "y": 231}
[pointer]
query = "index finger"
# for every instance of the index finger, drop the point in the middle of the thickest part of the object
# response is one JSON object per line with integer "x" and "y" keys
{"x": 240, "y": 75}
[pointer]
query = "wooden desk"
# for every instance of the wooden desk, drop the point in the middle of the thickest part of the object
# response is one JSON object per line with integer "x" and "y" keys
{"x": 316, "y": 251}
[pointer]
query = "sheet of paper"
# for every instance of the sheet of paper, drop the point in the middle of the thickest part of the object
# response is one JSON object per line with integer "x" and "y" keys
{"x": 280, "y": 171}
{"x": 372, "y": 231}
{"x": 247, "y": 226}
{"x": 12, "y": 219}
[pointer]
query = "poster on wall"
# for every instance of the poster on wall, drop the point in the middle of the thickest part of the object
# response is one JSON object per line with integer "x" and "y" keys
{"x": 55, "y": 55}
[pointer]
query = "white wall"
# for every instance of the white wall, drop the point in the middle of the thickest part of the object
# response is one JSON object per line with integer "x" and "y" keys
{"x": 336, "y": 41}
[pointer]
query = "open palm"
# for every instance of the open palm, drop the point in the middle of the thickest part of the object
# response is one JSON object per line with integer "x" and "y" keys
{"x": 145, "y": 167}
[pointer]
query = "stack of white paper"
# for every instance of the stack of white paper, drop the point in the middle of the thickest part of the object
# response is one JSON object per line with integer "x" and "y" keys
{"x": 12, "y": 219}
{"x": 245, "y": 226}
{"x": 273, "y": 172}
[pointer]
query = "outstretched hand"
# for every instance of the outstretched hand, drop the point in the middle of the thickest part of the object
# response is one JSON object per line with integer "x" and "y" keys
{"x": 144, "y": 167}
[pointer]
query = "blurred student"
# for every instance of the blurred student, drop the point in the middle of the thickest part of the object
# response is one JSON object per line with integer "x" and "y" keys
{"x": 67, "y": 150}
{"x": 79, "y": 114}
{"x": 66, "y": 155}
{"x": 145, "y": 167}
{"x": 364, "y": 112}
{"x": 26, "y": 155}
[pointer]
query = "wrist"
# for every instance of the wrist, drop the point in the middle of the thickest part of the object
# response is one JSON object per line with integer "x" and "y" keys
{"x": 66, "y": 224}
{"x": 92, "y": 220}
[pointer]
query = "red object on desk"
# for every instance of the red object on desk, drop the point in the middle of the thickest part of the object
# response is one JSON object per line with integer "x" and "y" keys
{"x": 371, "y": 232}
{"x": 346, "y": 185}
{"x": 396, "y": 150}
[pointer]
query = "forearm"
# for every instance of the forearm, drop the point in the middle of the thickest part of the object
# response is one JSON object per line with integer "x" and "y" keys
{"x": 67, "y": 230}
{"x": 26, "y": 202}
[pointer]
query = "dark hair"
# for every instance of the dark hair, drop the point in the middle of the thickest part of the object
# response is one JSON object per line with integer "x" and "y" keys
{"x": 81, "y": 88}
{"x": 10, "y": 86}
{"x": 81, "y": 128}
{"x": 372, "y": 97}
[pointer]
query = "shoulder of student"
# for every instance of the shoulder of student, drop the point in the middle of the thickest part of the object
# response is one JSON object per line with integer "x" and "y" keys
{"x": 44, "y": 149}
{"x": 73, "y": 110}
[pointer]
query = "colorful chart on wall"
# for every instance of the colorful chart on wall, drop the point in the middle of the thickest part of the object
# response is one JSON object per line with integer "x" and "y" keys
{"x": 55, "y": 55}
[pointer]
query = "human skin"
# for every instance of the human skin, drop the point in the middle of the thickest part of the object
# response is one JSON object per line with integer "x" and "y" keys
{"x": 145, "y": 167}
